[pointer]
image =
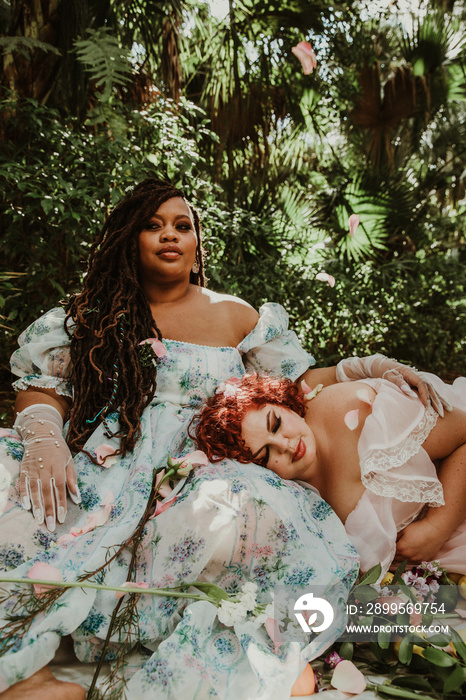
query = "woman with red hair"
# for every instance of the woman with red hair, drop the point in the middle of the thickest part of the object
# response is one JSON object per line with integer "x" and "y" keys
{"x": 367, "y": 447}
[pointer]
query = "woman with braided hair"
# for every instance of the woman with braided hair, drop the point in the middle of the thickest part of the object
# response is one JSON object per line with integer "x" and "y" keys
{"x": 127, "y": 364}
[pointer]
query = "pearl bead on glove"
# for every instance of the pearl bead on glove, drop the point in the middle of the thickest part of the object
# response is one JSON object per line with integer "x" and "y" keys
{"x": 47, "y": 467}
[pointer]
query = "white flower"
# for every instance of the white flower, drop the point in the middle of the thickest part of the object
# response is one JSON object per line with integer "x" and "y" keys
{"x": 230, "y": 612}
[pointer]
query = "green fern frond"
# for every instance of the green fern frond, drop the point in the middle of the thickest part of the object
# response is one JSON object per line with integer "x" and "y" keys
{"x": 25, "y": 46}
{"x": 104, "y": 59}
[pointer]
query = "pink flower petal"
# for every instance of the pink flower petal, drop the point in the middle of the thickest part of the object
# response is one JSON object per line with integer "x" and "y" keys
{"x": 157, "y": 346}
{"x": 41, "y": 570}
{"x": 273, "y": 630}
{"x": 460, "y": 612}
{"x": 131, "y": 585}
{"x": 363, "y": 395}
{"x": 102, "y": 452}
{"x": 234, "y": 380}
{"x": 352, "y": 419}
{"x": 305, "y": 53}
{"x": 347, "y": 678}
{"x": 161, "y": 507}
{"x": 325, "y": 277}
{"x": 93, "y": 520}
{"x": 164, "y": 490}
{"x": 353, "y": 224}
{"x": 305, "y": 388}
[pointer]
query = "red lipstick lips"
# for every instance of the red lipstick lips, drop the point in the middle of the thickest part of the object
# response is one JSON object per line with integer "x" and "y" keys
{"x": 299, "y": 452}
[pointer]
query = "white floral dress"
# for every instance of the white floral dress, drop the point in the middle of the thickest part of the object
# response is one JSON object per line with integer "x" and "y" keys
{"x": 230, "y": 524}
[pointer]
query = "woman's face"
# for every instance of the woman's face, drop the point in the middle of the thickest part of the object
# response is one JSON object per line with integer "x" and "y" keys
{"x": 281, "y": 440}
{"x": 167, "y": 243}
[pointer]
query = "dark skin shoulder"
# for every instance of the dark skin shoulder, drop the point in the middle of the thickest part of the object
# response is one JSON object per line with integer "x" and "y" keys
{"x": 204, "y": 317}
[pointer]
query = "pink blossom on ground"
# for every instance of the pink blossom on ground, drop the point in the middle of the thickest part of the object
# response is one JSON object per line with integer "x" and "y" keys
{"x": 305, "y": 53}
{"x": 347, "y": 678}
{"x": 325, "y": 277}
{"x": 131, "y": 585}
{"x": 44, "y": 571}
{"x": 102, "y": 453}
{"x": 354, "y": 222}
{"x": 352, "y": 419}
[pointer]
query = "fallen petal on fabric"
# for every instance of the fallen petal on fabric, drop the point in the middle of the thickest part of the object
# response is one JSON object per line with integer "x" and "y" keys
{"x": 273, "y": 630}
{"x": 42, "y": 570}
{"x": 132, "y": 585}
{"x": 102, "y": 452}
{"x": 352, "y": 419}
{"x": 347, "y": 678}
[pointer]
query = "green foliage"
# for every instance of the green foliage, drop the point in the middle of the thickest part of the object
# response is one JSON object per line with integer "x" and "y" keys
{"x": 288, "y": 163}
{"x": 105, "y": 60}
{"x": 25, "y": 45}
{"x": 58, "y": 182}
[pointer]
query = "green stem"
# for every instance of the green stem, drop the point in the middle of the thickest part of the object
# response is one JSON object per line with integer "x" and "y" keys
{"x": 98, "y": 586}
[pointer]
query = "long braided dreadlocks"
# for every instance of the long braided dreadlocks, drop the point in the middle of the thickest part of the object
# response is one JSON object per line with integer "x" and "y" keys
{"x": 108, "y": 319}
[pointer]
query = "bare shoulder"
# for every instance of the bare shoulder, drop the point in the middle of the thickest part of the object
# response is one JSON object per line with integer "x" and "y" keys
{"x": 336, "y": 400}
{"x": 231, "y": 309}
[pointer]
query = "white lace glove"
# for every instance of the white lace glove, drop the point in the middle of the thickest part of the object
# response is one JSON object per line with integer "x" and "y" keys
{"x": 379, "y": 366}
{"x": 47, "y": 467}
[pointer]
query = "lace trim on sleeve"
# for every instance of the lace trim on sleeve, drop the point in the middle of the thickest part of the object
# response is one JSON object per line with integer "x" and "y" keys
{"x": 378, "y": 475}
{"x": 62, "y": 389}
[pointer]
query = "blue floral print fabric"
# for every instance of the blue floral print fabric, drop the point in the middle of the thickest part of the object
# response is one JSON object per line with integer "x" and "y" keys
{"x": 229, "y": 525}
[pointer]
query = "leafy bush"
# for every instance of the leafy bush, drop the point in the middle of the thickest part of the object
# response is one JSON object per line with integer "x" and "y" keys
{"x": 59, "y": 179}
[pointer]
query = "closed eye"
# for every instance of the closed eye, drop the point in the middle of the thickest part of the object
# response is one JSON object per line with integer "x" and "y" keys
{"x": 265, "y": 459}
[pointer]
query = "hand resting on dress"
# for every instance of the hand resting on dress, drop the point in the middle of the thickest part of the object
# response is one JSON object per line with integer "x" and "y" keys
{"x": 419, "y": 541}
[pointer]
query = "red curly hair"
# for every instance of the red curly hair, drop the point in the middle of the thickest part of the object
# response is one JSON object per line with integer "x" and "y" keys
{"x": 217, "y": 429}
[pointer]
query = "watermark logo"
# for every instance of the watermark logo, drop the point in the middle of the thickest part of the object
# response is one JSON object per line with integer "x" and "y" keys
{"x": 308, "y": 604}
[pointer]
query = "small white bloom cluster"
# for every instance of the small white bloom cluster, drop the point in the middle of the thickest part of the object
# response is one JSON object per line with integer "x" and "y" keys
{"x": 232, "y": 611}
